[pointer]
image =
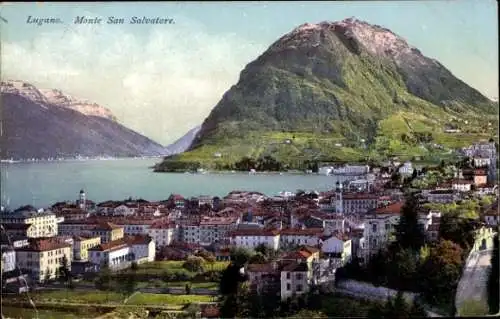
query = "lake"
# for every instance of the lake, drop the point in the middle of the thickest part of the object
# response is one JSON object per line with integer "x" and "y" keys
{"x": 42, "y": 184}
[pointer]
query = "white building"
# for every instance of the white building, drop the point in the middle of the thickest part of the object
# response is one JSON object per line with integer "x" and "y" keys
{"x": 116, "y": 254}
{"x": 43, "y": 223}
{"x": 8, "y": 259}
{"x": 142, "y": 248}
{"x": 251, "y": 238}
{"x": 162, "y": 233}
{"x": 216, "y": 229}
{"x": 337, "y": 247}
{"x": 406, "y": 169}
{"x": 307, "y": 236}
{"x": 461, "y": 185}
{"x": 295, "y": 280}
{"x": 190, "y": 233}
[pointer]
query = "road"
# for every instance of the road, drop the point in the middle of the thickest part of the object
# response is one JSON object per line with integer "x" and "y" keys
{"x": 474, "y": 280}
{"x": 170, "y": 290}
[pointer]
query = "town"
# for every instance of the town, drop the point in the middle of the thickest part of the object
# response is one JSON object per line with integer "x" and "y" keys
{"x": 352, "y": 240}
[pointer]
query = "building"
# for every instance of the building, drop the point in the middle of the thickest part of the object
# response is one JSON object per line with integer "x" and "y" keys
{"x": 491, "y": 215}
{"x": 43, "y": 258}
{"x": 216, "y": 229}
{"x": 8, "y": 259}
{"x": 480, "y": 177}
{"x": 190, "y": 232}
{"x": 461, "y": 185}
{"x": 442, "y": 196}
{"x": 378, "y": 229}
{"x": 116, "y": 254}
{"x": 251, "y": 238}
{"x": 359, "y": 202}
{"x": 19, "y": 230}
{"x": 406, "y": 169}
{"x": 306, "y": 236}
{"x": 142, "y": 248}
{"x": 163, "y": 233}
{"x": 43, "y": 223}
{"x": 107, "y": 231}
{"x": 81, "y": 245}
{"x": 337, "y": 247}
{"x": 295, "y": 279}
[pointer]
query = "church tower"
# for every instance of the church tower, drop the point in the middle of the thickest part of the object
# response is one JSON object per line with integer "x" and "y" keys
{"x": 338, "y": 199}
{"x": 82, "y": 200}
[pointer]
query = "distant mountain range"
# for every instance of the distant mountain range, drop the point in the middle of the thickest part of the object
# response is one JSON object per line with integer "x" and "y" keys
{"x": 183, "y": 143}
{"x": 339, "y": 91}
{"x": 46, "y": 123}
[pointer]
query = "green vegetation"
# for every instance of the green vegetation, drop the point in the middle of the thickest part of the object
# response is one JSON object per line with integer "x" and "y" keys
{"x": 167, "y": 299}
{"x": 473, "y": 308}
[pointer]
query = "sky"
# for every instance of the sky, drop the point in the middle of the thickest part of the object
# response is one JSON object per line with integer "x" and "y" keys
{"x": 162, "y": 80}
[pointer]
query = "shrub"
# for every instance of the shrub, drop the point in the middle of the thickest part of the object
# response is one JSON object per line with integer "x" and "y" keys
{"x": 193, "y": 264}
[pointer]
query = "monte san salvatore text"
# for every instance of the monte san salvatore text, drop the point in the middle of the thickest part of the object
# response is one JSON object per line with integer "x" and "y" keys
{"x": 121, "y": 20}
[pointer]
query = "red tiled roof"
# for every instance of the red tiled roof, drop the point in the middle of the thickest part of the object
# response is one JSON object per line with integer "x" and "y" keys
{"x": 394, "y": 208}
{"x": 106, "y": 226}
{"x": 267, "y": 268}
{"x": 138, "y": 239}
{"x": 110, "y": 246}
{"x": 461, "y": 182}
{"x": 255, "y": 232}
{"x": 44, "y": 245}
{"x": 301, "y": 232}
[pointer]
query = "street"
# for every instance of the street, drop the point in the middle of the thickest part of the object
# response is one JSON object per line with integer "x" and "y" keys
{"x": 473, "y": 284}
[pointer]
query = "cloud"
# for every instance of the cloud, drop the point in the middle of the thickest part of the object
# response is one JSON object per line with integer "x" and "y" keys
{"x": 160, "y": 84}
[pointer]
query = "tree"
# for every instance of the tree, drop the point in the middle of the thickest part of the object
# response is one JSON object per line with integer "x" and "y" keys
{"x": 130, "y": 283}
{"x": 47, "y": 275}
{"x": 188, "y": 289}
{"x": 409, "y": 233}
{"x": 263, "y": 249}
{"x": 240, "y": 256}
{"x": 134, "y": 266}
{"x": 103, "y": 280}
{"x": 441, "y": 272}
{"x": 193, "y": 264}
{"x": 65, "y": 272}
{"x": 258, "y": 258}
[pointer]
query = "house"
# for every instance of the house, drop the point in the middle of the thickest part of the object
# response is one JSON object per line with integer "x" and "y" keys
{"x": 480, "y": 176}
{"x": 358, "y": 202}
{"x": 485, "y": 189}
{"x": 8, "y": 259}
{"x": 251, "y": 238}
{"x": 216, "y": 229}
{"x": 461, "y": 185}
{"x": 142, "y": 248}
{"x": 190, "y": 232}
{"x": 177, "y": 201}
{"x": 81, "y": 245}
{"x": 263, "y": 276}
{"x": 205, "y": 200}
{"x": 107, "y": 231}
{"x": 432, "y": 233}
{"x": 116, "y": 254}
{"x": 297, "y": 236}
{"x": 491, "y": 215}
{"x": 442, "y": 196}
{"x": 378, "y": 229}
{"x": 406, "y": 169}
{"x": 337, "y": 247}
{"x": 296, "y": 279}
{"x": 19, "y": 230}
{"x": 43, "y": 258}
{"x": 481, "y": 162}
{"x": 43, "y": 223}
{"x": 125, "y": 210}
{"x": 163, "y": 233}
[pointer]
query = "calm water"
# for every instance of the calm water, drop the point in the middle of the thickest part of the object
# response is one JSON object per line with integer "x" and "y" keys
{"x": 42, "y": 184}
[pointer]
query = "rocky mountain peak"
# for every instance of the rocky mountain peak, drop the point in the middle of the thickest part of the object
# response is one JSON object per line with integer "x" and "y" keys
{"x": 55, "y": 97}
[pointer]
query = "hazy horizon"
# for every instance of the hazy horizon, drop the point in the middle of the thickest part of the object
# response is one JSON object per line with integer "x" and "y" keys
{"x": 185, "y": 68}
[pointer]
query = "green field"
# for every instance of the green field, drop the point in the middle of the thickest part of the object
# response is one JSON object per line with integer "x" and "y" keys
{"x": 167, "y": 300}
{"x": 159, "y": 267}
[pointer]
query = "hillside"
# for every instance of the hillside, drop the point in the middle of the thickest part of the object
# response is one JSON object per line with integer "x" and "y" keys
{"x": 47, "y": 123}
{"x": 339, "y": 91}
{"x": 184, "y": 142}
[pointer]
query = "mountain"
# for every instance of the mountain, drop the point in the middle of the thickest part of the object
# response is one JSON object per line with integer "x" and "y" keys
{"x": 338, "y": 91}
{"x": 183, "y": 143}
{"x": 40, "y": 123}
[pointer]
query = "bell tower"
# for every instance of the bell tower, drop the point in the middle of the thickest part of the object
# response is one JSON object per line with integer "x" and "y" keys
{"x": 82, "y": 199}
{"x": 338, "y": 199}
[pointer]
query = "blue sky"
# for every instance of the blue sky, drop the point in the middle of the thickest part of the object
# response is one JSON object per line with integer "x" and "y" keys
{"x": 163, "y": 80}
